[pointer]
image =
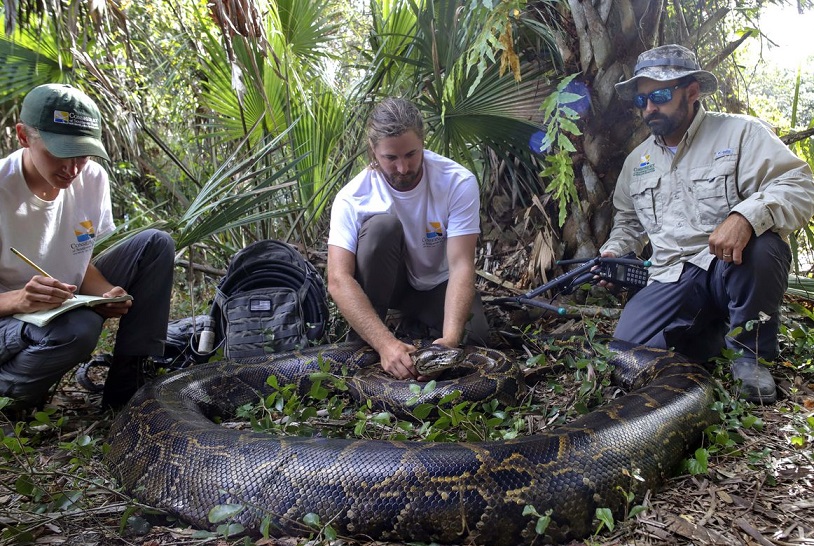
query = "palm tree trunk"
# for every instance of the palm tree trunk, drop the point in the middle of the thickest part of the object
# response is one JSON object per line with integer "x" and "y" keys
{"x": 608, "y": 37}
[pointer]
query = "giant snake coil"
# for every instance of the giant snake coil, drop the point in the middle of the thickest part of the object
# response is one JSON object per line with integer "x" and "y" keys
{"x": 168, "y": 453}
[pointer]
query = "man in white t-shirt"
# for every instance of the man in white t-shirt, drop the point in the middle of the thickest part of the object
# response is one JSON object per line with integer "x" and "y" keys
{"x": 403, "y": 236}
{"x": 54, "y": 203}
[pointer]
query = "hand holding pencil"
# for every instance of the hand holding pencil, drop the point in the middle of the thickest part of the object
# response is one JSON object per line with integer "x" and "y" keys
{"x": 44, "y": 273}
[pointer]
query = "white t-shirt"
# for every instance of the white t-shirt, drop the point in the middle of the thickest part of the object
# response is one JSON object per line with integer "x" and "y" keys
{"x": 57, "y": 235}
{"x": 446, "y": 203}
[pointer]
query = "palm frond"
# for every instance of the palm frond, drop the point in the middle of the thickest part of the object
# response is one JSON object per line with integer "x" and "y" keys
{"x": 28, "y": 60}
{"x": 467, "y": 109}
{"x": 243, "y": 190}
{"x": 309, "y": 30}
{"x": 231, "y": 89}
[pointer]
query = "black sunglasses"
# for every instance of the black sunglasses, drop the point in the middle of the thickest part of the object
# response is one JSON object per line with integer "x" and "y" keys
{"x": 659, "y": 96}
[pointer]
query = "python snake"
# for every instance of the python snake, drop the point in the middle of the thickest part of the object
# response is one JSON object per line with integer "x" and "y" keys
{"x": 167, "y": 452}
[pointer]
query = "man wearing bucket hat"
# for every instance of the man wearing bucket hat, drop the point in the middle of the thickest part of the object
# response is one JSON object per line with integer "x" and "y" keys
{"x": 54, "y": 204}
{"x": 717, "y": 196}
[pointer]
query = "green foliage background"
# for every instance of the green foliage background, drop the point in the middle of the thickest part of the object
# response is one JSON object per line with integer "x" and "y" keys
{"x": 234, "y": 121}
{"x": 240, "y": 126}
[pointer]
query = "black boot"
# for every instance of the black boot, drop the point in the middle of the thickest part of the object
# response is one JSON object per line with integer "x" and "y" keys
{"x": 757, "y": 384}
{"x": 127, "y": 374}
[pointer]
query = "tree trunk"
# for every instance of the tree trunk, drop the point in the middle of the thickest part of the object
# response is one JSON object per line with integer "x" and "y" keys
{"x": 607, "y": 38}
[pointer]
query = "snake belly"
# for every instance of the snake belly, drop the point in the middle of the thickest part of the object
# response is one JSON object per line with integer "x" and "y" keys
{"x": 167, "y": 452}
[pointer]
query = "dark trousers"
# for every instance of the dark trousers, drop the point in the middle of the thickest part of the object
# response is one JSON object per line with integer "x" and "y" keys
{"x": 694, "y": 314}
{"x": 382, "y": 274}
{"x": 34, "y": 358}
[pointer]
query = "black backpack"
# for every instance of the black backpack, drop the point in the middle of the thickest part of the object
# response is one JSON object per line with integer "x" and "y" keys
{"x": 271, "y": 300}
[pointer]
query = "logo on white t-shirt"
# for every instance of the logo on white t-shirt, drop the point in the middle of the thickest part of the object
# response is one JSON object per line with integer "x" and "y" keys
{"x": 434, "y": 235}
{"x": 86, "y": 232}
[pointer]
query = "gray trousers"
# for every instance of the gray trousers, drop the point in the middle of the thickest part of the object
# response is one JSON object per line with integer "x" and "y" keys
{"x": 694, "y": 314}
{"x": 33, "y": 358}
{"x": 382, "y": 274}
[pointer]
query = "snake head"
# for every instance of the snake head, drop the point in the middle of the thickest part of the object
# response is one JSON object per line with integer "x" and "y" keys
{"x": 435, "y": 358}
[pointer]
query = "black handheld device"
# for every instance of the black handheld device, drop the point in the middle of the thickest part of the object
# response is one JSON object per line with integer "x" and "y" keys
{"x": 627, "y": 272}
{"x": 628, "y": 275}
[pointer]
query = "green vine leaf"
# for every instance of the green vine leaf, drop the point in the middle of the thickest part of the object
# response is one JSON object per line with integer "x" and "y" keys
{"x": 556, "y": 144}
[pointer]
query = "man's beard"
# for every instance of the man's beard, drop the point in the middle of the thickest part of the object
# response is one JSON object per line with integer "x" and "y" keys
{"x": 407, "y": 181}
{"x": 661, "y": 124}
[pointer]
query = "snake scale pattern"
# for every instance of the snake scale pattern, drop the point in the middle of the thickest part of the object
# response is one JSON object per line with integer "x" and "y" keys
{"x": 167, "y": 452}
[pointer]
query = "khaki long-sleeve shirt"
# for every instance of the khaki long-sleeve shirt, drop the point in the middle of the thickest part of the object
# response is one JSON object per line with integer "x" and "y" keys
{"x": 725, "y": 163}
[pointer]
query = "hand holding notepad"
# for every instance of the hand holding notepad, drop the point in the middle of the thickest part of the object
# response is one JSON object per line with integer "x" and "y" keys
{"x": 41, "y": 318}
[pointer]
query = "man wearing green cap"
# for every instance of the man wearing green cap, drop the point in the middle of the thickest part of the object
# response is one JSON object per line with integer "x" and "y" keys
{"x": 716, "y": 196}
{"x": 54, "y": 203}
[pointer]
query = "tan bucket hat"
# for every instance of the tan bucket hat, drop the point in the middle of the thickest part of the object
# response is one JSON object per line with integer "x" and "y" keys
{"x": 665, "y": 63}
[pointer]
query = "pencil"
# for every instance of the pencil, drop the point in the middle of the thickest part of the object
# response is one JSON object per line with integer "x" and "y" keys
{"x": 40, "y": 270}
{"x": 29, "y": 262}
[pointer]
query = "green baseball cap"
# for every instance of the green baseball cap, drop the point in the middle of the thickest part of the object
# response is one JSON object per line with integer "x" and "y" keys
{"x": 68, "y": 120}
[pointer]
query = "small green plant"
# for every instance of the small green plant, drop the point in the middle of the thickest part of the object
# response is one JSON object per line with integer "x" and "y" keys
{"x": 801, "y": 429}
{"x": 630, "y": 496}
{"x": 543, "y": 521}
{"x": 605, "y": 517}
{"x": 699, "y": 462}
{"x": 45, "y": 489}
{"x": 726, "y": 437}
{"x": 560, "y": 122}
{"x": 222, "y": 514}
{"x": 798, "y": 338}
{"x": 421, "y": 411}
{"x": 324, "y": 531}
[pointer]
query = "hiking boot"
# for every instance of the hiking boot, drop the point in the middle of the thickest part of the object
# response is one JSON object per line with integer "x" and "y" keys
{"x": 127, "y": 374}
{"x": 757, "y": 383}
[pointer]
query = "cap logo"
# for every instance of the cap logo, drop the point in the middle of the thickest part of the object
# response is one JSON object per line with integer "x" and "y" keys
{"x": 72, "y": 118}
